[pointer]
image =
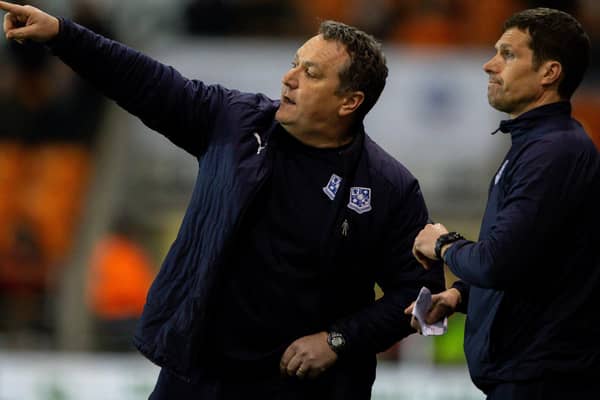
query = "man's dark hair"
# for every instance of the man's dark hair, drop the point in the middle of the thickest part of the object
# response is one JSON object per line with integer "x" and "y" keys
{"x": 367, "y": 70}
{"x": 555, "y": 35}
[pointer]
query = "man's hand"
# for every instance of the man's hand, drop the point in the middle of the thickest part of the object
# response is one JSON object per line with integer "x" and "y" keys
{"x": 424, "y": 246}
{"x": 308, "y": 356}
{"x": 442, "y": 305}
{"x": 27, "y": 22}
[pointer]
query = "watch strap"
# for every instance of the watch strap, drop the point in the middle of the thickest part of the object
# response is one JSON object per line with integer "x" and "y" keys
{"x": 336, "y": 341}
{"x": 445, "y": 239}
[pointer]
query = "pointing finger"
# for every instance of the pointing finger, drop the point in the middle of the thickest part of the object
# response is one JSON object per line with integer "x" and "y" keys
{"x": 12, "y": 8}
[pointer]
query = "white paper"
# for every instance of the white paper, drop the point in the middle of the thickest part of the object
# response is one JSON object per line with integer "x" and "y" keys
{"x": 422, "y": 306}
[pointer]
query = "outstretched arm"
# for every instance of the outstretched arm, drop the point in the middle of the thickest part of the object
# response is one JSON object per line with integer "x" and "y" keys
{"x": 179, "y": 108}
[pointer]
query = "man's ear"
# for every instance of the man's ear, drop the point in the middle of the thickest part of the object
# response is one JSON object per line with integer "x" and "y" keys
{"x": 352, "y": 101}
{"x": 551, "y": 72}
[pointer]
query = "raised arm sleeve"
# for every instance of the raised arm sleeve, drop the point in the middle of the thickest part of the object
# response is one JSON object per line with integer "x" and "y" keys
{"x": 179, "y": 108}
{"x": 539, "y": 190}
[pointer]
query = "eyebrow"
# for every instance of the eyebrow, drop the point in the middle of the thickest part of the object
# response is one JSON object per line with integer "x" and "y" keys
{"x": 503, "y": 46}
{"x": 307, "y": 63}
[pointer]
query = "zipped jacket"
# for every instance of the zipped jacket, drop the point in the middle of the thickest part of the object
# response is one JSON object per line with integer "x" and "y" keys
{"x": 533, "y": 278}
{"x": 367, "y": 240}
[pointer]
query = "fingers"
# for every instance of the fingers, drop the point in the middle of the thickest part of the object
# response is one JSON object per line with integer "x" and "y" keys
{"x": 21, "y": 33}
{"x": 438, "y": 313}
{"x": 440, "y": 308}
{"x": 294, "y": 367}
{"x": 417, "y": 249}
{"x": 424, "y": 261}
{"x": 408, "y": 310}
{"x": 300, "y": 372}
{"x": 291, "y": 363}
{"x": 413, "y": 321}
{"x": 12, "y": 21}
{"x": 415, "y": 324}
{"x": 10, "y": 7}
{"x": 307, "y": 357}
{"x": 27, "y": 22}
{"x": 8, "y": 23}
{"x": 285, "y": 359}
{"x": 297, "y": 367}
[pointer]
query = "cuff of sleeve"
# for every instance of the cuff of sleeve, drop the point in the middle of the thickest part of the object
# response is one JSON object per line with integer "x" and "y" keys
{"x": 463, "y": 288}
{"x": 340, "y": 330}
{"x": 54, "y": 43}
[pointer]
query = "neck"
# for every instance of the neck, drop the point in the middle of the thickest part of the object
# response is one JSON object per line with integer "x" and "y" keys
{"x": 547, "y": 97}
{"x": 328, "y": 138}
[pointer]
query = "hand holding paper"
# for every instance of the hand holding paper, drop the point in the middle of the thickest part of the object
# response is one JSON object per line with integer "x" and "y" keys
{"x": 421, "y": 308}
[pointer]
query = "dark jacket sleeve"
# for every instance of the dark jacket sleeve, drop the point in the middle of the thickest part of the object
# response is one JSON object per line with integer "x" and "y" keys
{"x": 179, "y": 108}
{"x": 540, "y": 187}
{"x": 380, "y": 325}
{"x": 464, "y": 289}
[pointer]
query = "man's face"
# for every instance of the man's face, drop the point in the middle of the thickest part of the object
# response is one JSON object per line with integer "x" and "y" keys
{"x": 514, "y": 85}
{"x": 309, "y": 103}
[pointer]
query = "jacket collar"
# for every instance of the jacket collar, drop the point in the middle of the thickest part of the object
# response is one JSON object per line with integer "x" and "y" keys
{"x": 350, "y": 153}
{"x": 532, "y": 119}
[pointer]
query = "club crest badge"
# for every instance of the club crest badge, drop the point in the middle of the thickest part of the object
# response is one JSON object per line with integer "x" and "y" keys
{"x": 332, "y": 186}
{"x": 360, "y": 199}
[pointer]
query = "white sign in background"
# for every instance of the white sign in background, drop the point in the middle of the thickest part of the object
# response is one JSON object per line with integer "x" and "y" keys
{"x": 59, "y": 376}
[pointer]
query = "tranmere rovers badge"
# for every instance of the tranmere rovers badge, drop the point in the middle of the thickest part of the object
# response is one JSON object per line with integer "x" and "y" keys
{"x": 332, "y": 186}
{"x": 360, "y": 199}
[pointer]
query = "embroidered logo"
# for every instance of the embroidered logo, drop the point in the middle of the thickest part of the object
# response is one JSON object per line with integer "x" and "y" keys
{"x": 345, "y": 228}
{"x": 260, "y": 146}
{"x": 360, "y": 199}
{"x": 332, "y": 186}
{"x": 499, "y": 174}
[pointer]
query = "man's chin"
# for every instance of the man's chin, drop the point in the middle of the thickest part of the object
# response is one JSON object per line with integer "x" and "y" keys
{"x": 281, "y": 118}
{"x": 498, "y": 105}
{"x": 285, "y": 123}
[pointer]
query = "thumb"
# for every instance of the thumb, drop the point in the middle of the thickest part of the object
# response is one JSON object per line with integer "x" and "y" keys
{"x": 408, "y": 310}
{"x": 438, "y": 312}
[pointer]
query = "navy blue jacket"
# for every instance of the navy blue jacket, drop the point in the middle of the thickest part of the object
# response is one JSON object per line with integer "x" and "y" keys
{"x": 230, "y": 134}
{"x": 534, "y": 274}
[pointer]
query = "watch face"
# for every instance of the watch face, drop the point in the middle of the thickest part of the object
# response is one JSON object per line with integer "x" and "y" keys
{"x": 337, "y": 341}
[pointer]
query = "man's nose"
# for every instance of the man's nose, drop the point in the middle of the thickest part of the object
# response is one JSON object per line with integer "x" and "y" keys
{"x": 491, "y": 65}
{"x": 290, "y": 78}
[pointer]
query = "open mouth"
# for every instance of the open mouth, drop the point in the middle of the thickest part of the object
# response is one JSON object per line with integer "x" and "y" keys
{"x": 287, "y": 100}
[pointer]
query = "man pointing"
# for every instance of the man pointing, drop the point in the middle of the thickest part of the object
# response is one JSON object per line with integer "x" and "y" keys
{"x": 267, "y": 292}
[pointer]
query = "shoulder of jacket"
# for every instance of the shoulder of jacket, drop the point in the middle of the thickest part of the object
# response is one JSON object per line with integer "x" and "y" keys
{"x": 558, "y": 144}
{"x": 254, "y": 101}
{"x": 386, "y": 167}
